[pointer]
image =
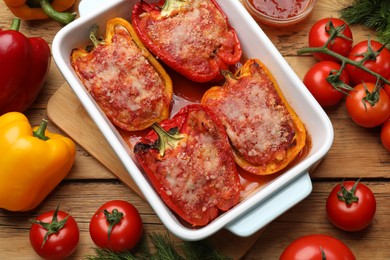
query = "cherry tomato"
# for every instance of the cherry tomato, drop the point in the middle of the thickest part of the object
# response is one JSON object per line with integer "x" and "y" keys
{"x": 385, "y": 135}
{"x": 317, "y": 246}
{"x": 379, "y": 64}
{"x": 351, "y": 206}
{"x": 54, "y": 235}
{"x": 116, "y": 225}
{"x": 361, "y": 111}
{"x": 386, "y": 87}
{"x": 319, "y": 35}
{"x": 315, "y": 80}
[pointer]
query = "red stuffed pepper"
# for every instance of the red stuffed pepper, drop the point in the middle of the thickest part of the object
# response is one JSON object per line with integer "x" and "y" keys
{"x": 24, "y": 65}
{"x": 193, "y": 37}
{"x": 189, "y": 162}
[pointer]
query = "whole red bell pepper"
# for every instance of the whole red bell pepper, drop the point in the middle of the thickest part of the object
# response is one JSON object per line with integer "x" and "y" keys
{"x": 24, "y": 65}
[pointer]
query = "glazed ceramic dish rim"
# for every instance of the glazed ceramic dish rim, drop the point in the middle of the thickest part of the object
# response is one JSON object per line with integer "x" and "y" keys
{"x": 261, "y": 207}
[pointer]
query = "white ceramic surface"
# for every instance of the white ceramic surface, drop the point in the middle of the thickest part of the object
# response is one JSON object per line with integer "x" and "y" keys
{"x": 261, "y": 207}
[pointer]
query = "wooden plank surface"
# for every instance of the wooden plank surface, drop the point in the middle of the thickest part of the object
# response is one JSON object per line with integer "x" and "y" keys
{"x": 356, "y": 152}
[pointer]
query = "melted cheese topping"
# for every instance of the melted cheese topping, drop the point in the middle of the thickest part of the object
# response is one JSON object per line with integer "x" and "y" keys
{"x": 193, "y": 36}
{"x": 257, "y": 122}
{"x": 198, "y": 176}
{"x": 123, "y": 82}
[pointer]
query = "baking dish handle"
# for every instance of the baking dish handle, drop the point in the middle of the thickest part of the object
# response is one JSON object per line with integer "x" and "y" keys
{"x": 272, "y": 208}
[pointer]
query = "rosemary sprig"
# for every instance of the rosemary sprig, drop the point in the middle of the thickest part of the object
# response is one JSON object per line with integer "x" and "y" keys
{"x": 373, "y": 14}
{"x": 164, "y": 249}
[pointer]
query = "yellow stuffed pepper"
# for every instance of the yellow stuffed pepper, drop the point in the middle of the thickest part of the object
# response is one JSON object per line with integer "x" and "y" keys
{"x": 33, "y": 162}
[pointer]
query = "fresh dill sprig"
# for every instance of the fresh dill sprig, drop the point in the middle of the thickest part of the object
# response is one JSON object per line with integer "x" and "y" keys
{"x": 199, "y": 250}
{"x": 106, "y": 254}
{"x": 373, "y": 14}
{"x": 164, "y": 249}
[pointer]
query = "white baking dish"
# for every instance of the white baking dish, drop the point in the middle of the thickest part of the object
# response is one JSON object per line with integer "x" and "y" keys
{"x": 262, "y": 206}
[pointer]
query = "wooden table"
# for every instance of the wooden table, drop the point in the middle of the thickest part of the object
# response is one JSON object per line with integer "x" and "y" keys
{"x": 356, "y": 152}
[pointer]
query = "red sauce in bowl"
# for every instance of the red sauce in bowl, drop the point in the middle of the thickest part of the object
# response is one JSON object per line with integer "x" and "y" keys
{"x": 280, "y": 8}
{"x": 279, "y": 13}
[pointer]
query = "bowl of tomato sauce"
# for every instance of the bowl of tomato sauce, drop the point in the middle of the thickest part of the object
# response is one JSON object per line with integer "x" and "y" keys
{"x": 281, "y": 13}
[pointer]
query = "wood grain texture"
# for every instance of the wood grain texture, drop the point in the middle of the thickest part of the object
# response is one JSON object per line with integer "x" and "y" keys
{"x": 356, "y": 152}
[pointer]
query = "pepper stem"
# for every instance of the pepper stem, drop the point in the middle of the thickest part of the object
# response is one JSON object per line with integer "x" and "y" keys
{"x": 61, "y": 17}
{"x": 40, "y": 132}
{"x": 15, "y": 25}
{"x": 165, "y": 139}
{"x": 171, "y": 7}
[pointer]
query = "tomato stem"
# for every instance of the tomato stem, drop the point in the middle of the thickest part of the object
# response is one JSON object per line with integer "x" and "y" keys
{"x": 112, "y": 218}
{"x": 335, "y": 32}
{"x": 348, "y": 196}
{"x": 53, "y": 227}
{"x": 345, "y": 60}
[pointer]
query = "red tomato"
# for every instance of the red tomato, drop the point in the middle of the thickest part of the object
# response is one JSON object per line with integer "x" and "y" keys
{"x": 385, "y": 135}
{"x": 361, "y": 111}
{"x": 380, "y": 64}
{"x": 62, "y": 234}
{"x": 317, "y": 246}
{"x": 116, "y": 225}
{"x": 351, "y": 206}
{"x": 319, "y": 35}
{"x": 316, "y": 81}
{"x": 386, "y": 87}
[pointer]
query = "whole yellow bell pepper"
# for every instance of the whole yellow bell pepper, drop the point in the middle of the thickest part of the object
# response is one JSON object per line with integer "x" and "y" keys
{"x": 33, "y": 162}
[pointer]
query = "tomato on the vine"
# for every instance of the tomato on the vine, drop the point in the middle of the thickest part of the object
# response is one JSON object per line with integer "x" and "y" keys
{"x": 317, "y": 246}
{"x": 385, "y": 135}
{"x": 54, "y": 235}
{"x": 316, "y": 80}
{"x": 368, "y": 105}
{"x": 320, "y": 33}
{"x": 386, "y": 87}
{"x": 351, "y": 206}
{"x": 116, "y": 225}
{"x": 376, "y": 62}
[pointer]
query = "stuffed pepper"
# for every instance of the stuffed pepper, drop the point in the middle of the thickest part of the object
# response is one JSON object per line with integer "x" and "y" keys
{"x": 123, "y": 77}
{"x": 264, "y": 131}
{"x": 193, "y": 37}
{"x": 189, "y": 162}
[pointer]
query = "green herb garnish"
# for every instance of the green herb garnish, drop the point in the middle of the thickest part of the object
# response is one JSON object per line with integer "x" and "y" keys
{"x": 373, "y": 14}
{"x": 164, "y": 249}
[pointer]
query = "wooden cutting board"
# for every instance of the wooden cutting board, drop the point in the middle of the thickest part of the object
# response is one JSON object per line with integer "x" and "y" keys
{"x": 65, "y": 110}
